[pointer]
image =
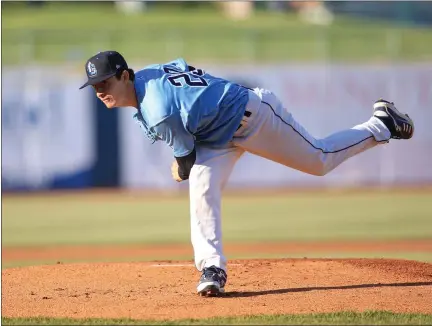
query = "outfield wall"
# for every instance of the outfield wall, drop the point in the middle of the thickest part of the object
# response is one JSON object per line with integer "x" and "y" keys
{"x": 55, "y": 136}
{"x": 47, "y": 129}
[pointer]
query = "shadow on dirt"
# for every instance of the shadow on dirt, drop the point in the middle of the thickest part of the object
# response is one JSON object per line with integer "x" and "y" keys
{"x": 235, "y": 294}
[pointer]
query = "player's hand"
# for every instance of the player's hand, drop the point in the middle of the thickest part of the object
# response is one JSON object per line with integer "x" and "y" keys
{"x": 174, "y": 171}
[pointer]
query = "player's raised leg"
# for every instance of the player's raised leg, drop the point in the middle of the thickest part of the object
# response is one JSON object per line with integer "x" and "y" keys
{"x": 274, "y": 134}
{"x": 207, "y": 179}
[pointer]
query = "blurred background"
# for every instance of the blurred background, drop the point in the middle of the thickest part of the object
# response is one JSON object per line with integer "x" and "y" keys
{"x": 76, "y": 174}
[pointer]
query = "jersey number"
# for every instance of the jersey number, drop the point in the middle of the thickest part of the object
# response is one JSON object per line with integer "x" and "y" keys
{"x": 191, "y": 78}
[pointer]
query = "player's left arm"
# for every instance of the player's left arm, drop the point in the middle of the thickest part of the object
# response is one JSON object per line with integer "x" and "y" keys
{"x": 172, "y": 131}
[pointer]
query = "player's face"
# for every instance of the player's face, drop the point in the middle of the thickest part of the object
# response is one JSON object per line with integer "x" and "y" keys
{"x": 111, "y": 92}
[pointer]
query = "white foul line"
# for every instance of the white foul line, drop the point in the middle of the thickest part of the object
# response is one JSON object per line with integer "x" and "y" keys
{"x": 171, "y": 265}
{"x": 182, "y": 265}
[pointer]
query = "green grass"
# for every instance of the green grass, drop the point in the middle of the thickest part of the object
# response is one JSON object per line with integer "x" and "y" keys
{"x": 340, "y": 318}
{"x": 118, "y": 219}
{"x": 73, "y": 31}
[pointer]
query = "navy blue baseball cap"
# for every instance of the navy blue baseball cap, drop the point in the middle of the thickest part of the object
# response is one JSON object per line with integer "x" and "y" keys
{"x": 103, "y": 66}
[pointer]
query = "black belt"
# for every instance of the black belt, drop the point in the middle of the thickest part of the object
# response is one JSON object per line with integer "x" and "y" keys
{"x": 246, "y": 114}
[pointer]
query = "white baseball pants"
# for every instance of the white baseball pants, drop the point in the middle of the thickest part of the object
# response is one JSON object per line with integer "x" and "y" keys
{"x": 270, "y": 132}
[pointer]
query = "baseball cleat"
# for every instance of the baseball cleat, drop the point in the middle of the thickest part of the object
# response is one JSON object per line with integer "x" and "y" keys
{"x": 212, "y": 281}
{"x": 399, "y": 124}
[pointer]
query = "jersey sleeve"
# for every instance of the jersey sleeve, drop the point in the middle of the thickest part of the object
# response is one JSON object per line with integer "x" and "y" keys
{"x": 173, "y": 132}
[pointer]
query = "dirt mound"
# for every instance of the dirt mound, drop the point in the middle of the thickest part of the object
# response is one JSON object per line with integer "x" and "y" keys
{"x": 167, "y": 290}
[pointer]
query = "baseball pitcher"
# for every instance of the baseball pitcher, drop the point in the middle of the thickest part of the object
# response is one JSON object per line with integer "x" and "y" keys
{"x": 209, "y": 122}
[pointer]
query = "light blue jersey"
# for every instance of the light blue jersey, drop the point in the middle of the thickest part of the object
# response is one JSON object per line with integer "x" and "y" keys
{"x": 182, "y": 106}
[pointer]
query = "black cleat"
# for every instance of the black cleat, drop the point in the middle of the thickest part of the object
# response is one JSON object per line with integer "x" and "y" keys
{"x": 212, "y": 281}
{"x": 399, "y": 124}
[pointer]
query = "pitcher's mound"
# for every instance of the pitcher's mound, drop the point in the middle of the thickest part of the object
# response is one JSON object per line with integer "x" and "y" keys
{"x": 167, "y": 290}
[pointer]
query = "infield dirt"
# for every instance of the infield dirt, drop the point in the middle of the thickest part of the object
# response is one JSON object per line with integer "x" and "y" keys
{"x": 166, "y": 290}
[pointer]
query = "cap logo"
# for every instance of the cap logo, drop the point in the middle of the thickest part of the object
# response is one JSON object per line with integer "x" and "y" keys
{"x": 91, "y": 69}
